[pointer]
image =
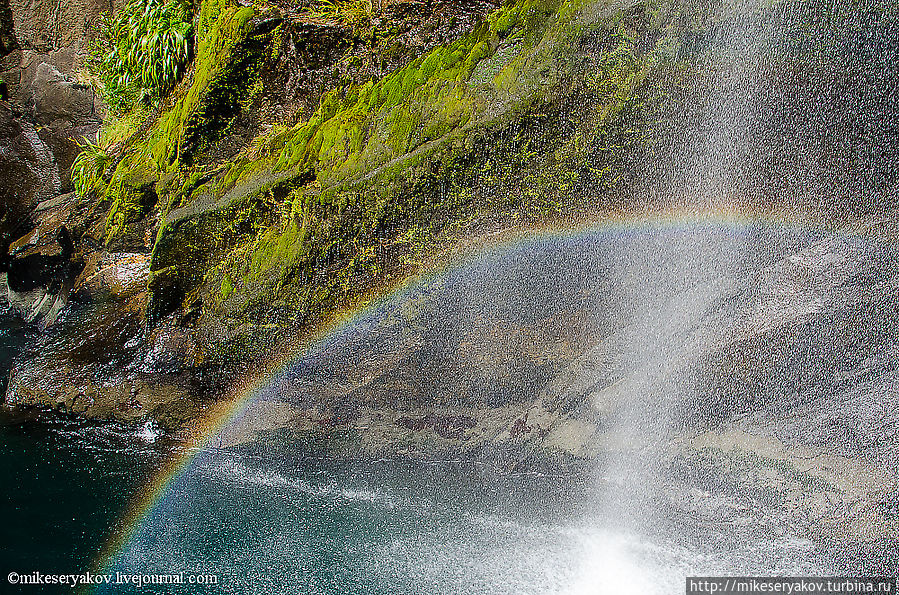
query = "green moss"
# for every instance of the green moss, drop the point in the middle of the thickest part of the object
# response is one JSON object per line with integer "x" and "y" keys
{"x": 117, "y": 128}
{"x": 203, "y": 104}
{"x": 382, "y": 171}
{"x": 227, "y": 286}
{"x": 221, "y": 29}
{"x": 127, "y": 207}
{"x": 362, "y": 128}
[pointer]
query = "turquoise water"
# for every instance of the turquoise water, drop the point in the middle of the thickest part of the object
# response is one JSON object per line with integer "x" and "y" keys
{"x": 65, "y": 483}
{"x": 267, "y": 518}
{"x": 65, "y": 487}
{"x": 13, "y": 334}
{"x": 388, "y": 527}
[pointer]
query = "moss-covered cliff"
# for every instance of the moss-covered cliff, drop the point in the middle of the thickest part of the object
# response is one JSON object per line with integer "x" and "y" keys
{"x": 308, "y": 215}
{"x": 309, "y": 157}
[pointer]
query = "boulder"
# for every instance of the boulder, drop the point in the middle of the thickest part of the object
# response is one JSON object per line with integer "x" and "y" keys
{"x": 54, "y": 98}
{"x": 40, "y": 265}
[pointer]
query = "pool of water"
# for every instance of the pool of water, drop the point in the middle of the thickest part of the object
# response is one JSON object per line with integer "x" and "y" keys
{"x": 13, "y": 334}
{"x": 66, "y": 484}
{"x": 264, "y": 516}
{"x": 267, "y": 516}
{"x": 386, "y": 527}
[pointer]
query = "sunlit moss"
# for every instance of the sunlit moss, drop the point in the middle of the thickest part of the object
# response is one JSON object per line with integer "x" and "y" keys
{"x": 221, "y": 28}
{"x": 309, "y": 215}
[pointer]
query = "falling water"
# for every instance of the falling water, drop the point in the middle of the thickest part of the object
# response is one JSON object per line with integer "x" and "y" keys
{"x": 710, "y": 368}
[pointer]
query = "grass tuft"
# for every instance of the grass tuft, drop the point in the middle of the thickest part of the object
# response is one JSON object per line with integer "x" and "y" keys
{"x": 142, "y": 51}
{"x": 89, "y": 167}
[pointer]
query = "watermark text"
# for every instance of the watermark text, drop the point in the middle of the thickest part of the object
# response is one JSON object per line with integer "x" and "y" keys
{"x": 790, "y": 585}
{"x": 116, "y": 578}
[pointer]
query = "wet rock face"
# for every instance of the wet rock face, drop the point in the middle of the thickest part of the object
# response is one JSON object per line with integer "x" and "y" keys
{"x": 29, "y": 173}
{"x": 42, "y": 112}
{"x": 65, "y": 111}
{"x": 95, "y": 356}
{"x": 100, "y": 361}
{"x": 41, "y": 265}
{"x": 206, "y": 275}
{"x": 713, "y": 386}
{"x": 56, "y": 101}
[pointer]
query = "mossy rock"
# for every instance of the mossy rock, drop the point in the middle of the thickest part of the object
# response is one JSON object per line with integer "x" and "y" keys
{"x": 310, "y": 215}
{"x": 417, "y": 149}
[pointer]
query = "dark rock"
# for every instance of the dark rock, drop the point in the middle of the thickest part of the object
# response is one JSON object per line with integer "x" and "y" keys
{"x": 29, "y": 173}
{"x": 447, "y": 426}
{"x": 172, "y": 350}
{"x": 8, "y": 41}
{"x": 56, "y": 101}
{"x": 65, "y": 111}
{"x": 42, "y": 264}
{"x": 37, "y": 284}
{"x": 166, "y": 293}
{"x": 36, "y": 269}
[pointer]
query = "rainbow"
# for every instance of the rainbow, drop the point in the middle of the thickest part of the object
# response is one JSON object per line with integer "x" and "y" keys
{"x": 248, "y": 389}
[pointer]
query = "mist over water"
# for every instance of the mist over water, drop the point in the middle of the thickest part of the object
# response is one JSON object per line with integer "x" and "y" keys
{"x": 684, "y": 358}
{"x": 266, "y": 518}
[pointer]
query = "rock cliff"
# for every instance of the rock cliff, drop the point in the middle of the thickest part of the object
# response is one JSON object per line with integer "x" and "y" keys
{"x": 309, "y": 159}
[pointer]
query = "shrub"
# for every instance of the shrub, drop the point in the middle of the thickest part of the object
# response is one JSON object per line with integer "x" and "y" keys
{"x": 142, "y": 51}
{"x": 89, "y": 167}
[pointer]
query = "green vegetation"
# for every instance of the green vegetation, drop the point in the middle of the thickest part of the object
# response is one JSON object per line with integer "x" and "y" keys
{"x": 221, "y": 29}
{"x": 142, "y": 51}
{"x": 89, "y": 167}
{"x": 373, "y": 150}
{"x": 499, "y": 123}
{"x": 350, "y": 13}
{"x": 356, "y": 130}
{"x": 138, "y": 146}
{"x": 127, "y": 207}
